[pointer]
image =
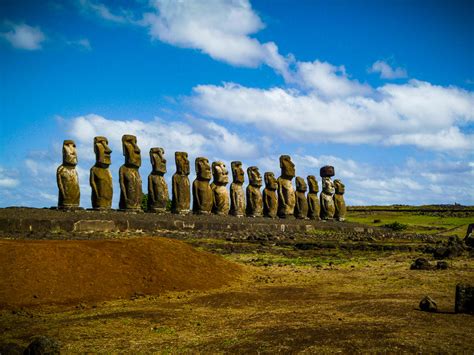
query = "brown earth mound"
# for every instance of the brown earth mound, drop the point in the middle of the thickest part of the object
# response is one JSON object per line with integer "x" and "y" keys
{"x": 69, "y": 272}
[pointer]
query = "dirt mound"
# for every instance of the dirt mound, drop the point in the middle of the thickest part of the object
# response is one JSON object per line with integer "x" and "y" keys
{"x": 68, "y": 272}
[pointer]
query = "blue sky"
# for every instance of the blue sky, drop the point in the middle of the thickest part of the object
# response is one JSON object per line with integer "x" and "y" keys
{"x": 381, "y": 90}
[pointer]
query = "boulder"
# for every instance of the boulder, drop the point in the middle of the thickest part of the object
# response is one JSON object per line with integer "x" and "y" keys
{"x": 469, "y": 238}
{"x": 421, "y": 264}
{"x": 11, "y": 349}
{"x": 43, "y": 345}
{"x": 427, "y": 304}
{"x": 464, "y": 298}
{"x": 442, "y": 265}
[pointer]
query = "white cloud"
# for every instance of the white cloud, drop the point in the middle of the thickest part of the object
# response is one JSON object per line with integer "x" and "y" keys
{"x": 196, "y": 137}
{"x": 386, "y": 71}
{"x": 417, "y": 113}
{"x": 103, "y": 11}
{"x": 218, "y": 28}
{"x": 328, "y": 80}
{"x": 82, "y": 43}
{"x": 7, "y": 181}
{"x": 23, "y": 36}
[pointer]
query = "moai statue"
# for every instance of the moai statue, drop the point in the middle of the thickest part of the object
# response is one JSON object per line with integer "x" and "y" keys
{"x": 67, "y": 178}
{"x": 301, "y": 207}
{"x": 254, "y": 195}
{"x": 157, "y": 188}
{"x": 270, "y": 199}
{"x": 220, "y": 195}
{"x": 286, "y": 193}
{"x": 100, "y": 177}
{"x": 339, "y": 202}
{"x": 129, "y": 177}
{"x": 313, "y": 201}
{"x": 237, "y": 196}
{"x": 202, "y": 193}
{"x": 327, "y": 195}
{"x": 181, "y": 195}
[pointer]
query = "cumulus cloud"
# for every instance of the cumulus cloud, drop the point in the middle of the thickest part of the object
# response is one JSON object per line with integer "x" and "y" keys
{"x": 328, "y": 80}
{"x": 196, "y": 137}
{"x": 386, "y": 71}
{"x": 23, "y": 36}
{"x": 83, "y": 44}
{"x": 218, "y": 28}
{"x": 417, "y": 113}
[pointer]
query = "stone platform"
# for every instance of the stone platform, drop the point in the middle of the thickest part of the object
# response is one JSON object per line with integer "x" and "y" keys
{"x": 37, "y": 223}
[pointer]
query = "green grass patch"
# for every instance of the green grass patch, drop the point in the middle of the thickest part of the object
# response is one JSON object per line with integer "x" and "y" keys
{"x": 416, "y": 222}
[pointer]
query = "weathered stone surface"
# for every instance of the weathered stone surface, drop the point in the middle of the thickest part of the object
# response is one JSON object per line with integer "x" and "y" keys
{"x": 129, "y": 176}
{"x": 220, "y": 175}
{"x": 237, "y": 196}
{"x": 254, "y": 195}
{"x": 442, "y": 265}
{"x": 286, "y": 193}
{"x": 43, "y": 345}
{"x": 313, "y": 200}
{"x": 100, "y": 177}
{"x": 158, "y": 195}
{"x": 339, "y": 202}
{"x": 301, "y": 207}
{"x": 469, "y": 238}
{"x": 421, "y": 264}
{"x": 67, "y": 178}
{"x": 464, "y": 299}
{"x": 270, "y": 199}
{"x": 181, "y": 189}
{"x": 327, "y": 199}
{"x": 202, "y": 193}
{"x": 427, "y": 304}
{"x": 326, "y": 171}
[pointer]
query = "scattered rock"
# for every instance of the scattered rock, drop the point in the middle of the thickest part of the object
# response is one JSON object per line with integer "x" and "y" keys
{"x": 464, "y": 298}
{"x": 43, "y": 345}
{"x": 427, "y": 304}
{"x": 469, "y": 238}
{"x": 11, "y": 349}
{"x": 421, "y": 264}
{"x": 442, "y": 265}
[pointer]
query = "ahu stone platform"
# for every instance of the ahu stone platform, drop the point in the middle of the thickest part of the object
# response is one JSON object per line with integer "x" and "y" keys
{"x": 37, "y": 223}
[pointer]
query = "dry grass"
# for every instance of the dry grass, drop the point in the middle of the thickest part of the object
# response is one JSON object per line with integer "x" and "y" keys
{"x": 354, "y": 306}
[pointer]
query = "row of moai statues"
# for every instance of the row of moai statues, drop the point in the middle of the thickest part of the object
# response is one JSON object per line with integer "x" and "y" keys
{"x": 279, "y": 199}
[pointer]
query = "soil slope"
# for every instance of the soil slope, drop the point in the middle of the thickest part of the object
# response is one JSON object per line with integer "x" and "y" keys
{"x": 68, "y": 272}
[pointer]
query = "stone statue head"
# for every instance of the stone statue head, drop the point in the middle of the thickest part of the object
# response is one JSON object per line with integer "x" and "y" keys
{"x": 328, "y": 186}
{"x": 339, "y": 186}
{"x": 271, "y": 182}
{"x": 238, "y": 174}
{"x": 220, "y": 173}
{"x": 313, "y": 184}
{"x": 69, "y": 153}
{"x": 287, "y": 167}
{"x": 203, "y": 169}
{"x": 182, "y": 163}
{"x": 255, "y": 179}
{"x": 131, "y": 151}
{"x": 158, "y": 161}
{"x": 300, "y": 184}
{"x": 102, "y": 152}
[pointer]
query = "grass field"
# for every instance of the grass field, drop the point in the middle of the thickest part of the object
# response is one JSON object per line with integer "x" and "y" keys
{"x": 417, "y": 222}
